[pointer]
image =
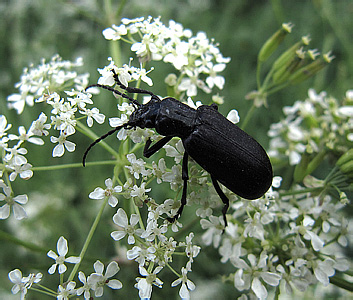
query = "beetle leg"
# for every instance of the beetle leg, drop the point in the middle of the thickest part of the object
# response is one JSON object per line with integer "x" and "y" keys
{"x": 149, "y": 150}
{"x": 224, "y": 198}
{"x": 185, "y": 177}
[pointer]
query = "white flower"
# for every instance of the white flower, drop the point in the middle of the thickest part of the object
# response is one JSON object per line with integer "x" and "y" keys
{"x": 141, "y": 255}
{"x": 24, "y": 171}
{"x": 98, "y": 280}
{"x": 64, "y": 293}
{"x": 147, "y": 48}
{"x": 59, "y": 149}
{"x": 176, "y": 152}
{"x": 142, "y": 74}
{"x": 178, "y": 56}
{"x": 15, "y": 155}
{"x": 153, "y": 230}
{"x": 144, "y": 285}
{"x": 174, "y": 177}
{"x": 39, "y": 127}
{"x": 323, "y": 270}
{"x": 305, "y": 230}
{"x": 137, "y": 166}
{"x": 120, "y": 219}
{"x": 93, "y": 114}
{"x": 233, "y": 116}
{"x": 139, "y": 192}
{"x": 109, "y": 192}
{"x": 115, "y": 32}
{"x": 213, "y": 78}
{"x": 15, "y": 277}
{"x": 4, "y": 126}
{"x": 65, "y": 120}
{"x": 186, "y": 284}
{"x": 159, "y": 170}
{"x": 254, "y": 227}
{"x": 85, "y": 289}
{"x": 26, "y": 136}
{"x": 115, "y": 122}
{"x": 14, "y": 202}
{"x": 60, "y": 259}
{"x": 189, "y": 85}
{"x": 80, "y": 99}
{"x": 249, "y": 275}
{"x": 191, "y": 250}
{"x": 32, "y": 278}
{"x": 215, "y": 227}
{"x": 18, "y": 101}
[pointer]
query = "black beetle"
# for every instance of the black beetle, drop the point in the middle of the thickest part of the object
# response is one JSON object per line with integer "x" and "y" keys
{"x": 226, "y": 152}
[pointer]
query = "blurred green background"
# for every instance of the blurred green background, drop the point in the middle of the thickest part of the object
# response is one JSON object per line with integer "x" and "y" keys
{"x": 31, "y": 30}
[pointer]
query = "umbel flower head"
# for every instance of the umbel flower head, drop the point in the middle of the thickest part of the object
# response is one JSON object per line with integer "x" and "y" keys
{"x": 197, "y": 58}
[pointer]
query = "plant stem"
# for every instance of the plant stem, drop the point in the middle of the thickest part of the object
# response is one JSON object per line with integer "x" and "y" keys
{"x": 248, "y": 117}
{"x": 88, "y": 239}
{"x": 10, "y": 238}
{"x": 73, "y": 165}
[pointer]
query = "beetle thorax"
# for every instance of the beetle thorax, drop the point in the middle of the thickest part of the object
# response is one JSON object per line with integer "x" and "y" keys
{"x": 175, "y": 118}
{"x": 145, "y": 115}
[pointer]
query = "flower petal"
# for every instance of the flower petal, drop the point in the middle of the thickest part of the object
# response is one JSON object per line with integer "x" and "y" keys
{"x": 112, "y": 269}
{"x": 115, "y": 284}
{"x": 118, "y": 235}
{"x": 62, "y": 246}
{"x": 120, "y": 218}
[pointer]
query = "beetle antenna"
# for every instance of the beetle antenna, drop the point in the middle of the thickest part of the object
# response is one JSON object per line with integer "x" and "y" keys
{"x": 107, "y": 87}
{"x": 99, "y": 139}
{"x": 130, "y": 89}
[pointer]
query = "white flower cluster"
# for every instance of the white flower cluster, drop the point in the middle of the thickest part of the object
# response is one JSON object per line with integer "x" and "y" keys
{"x": 95, "y": 282}
{"x": 34, "y": 87}
{"x": 278, "y": 239}
{"x": 198, "y": 59}
{"x": 53, "y": 75}
{"x": 150, "y": 244}
{"x": 13, "y": 164}
{"x": 320, "y": 121}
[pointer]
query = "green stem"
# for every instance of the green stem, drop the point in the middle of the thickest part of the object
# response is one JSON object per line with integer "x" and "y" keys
{"x": 73, "y": 165}
{"x": 337, "y": 280}
{"x": 120, "y": 9}
{"x": 88, "y": 239}
{"x": 175, "y": 272}
{"x": 258, "y": 75}
{"x": 277, "y": 87}
{"x": 248, "y": 117}
{"x": 303, "y": 191}
{"x": 9, "y": 238}
{"x": 45, "y": 292}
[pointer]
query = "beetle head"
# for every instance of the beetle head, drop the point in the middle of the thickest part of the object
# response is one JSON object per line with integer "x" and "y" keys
{"x": 145, "y": 115}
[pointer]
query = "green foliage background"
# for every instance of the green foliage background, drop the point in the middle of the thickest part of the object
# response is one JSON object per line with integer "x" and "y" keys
{"x": 31, "y": 30}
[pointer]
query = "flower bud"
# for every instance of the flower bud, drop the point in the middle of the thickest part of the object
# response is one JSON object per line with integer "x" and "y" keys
{"x": 283, "y": 73}
{"x": 287, "y": 56}
{"x": 310, "y": 69}
{"x": 345, "y": 158}
{"x": 347, "y": 168}
{"x": 274, "y": 41}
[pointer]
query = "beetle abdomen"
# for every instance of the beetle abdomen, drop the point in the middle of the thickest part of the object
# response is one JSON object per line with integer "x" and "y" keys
{"x": 232, "y": 156}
